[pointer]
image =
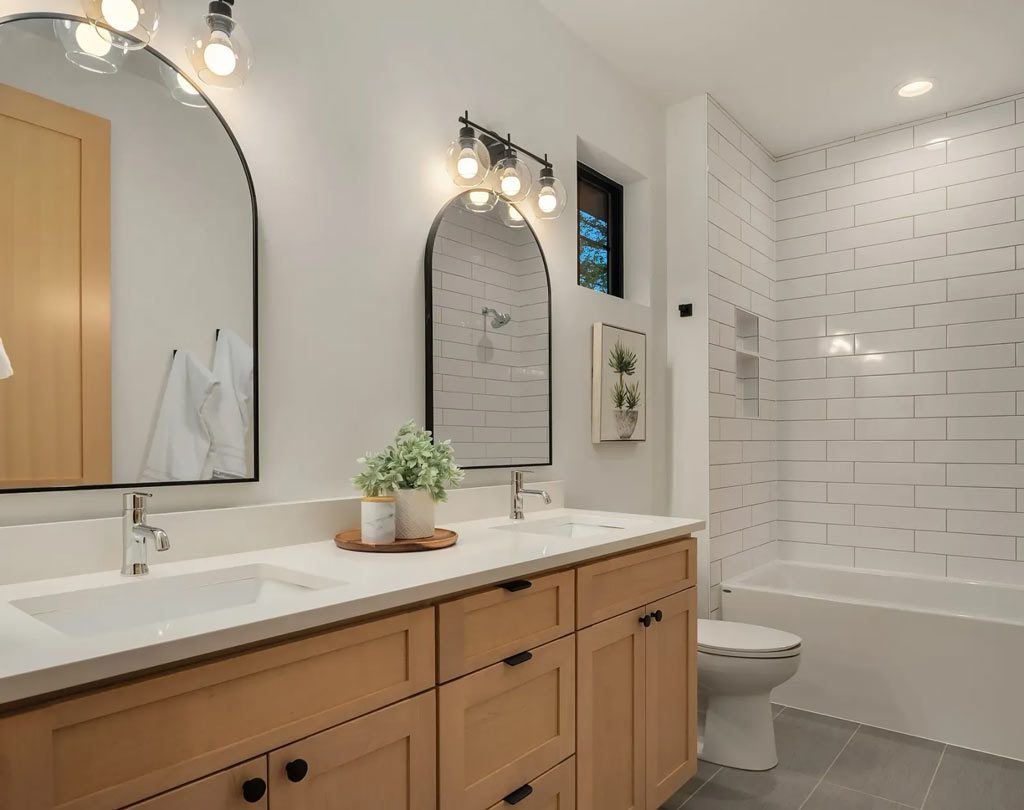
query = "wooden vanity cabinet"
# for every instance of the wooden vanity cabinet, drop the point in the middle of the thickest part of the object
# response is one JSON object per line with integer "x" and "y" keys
{"x": 575, "y": 688}
{"x": 383, "y": 760}
{"x": 637, "y": 694}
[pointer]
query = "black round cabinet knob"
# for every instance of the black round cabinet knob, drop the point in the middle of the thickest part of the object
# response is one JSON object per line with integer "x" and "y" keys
{"x": 658, "y": 615}
{"x": 296, "y": 770}
{"x": 253, "y": 790}
{"x": 645, "y": 620}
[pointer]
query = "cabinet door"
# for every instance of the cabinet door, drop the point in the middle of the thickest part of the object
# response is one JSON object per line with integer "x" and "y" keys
{"x": 385, "y": 759}
{"x": 671, "y": 757}
{"x": 502, "y": 726}
{"x": 611, "y": 662}
{"x": 243, "y": 787}
{"x": 555, "y": 790}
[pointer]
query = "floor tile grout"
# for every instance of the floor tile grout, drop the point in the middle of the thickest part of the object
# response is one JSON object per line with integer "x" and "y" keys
{"x": 700, "y": 787}
{"x": 829, "y": 768}
{"x": 935, "y": 773}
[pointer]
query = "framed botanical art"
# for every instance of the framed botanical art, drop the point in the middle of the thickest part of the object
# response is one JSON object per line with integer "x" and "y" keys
{"x": 620, "y": 385}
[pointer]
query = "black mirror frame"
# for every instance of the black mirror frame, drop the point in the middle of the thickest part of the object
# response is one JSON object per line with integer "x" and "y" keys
{"x": 428, "y": 279}
{"x": 43, "y": 15}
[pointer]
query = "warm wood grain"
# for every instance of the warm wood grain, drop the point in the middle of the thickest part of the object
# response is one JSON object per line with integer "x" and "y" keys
{"x": 55, "y": 420}
{"x": 383, "y": 760}
{"x": 609, "y": 587}
{"x": 352, "y": 540}
{"x": 483, "y": 628}
{"x": 611, "y": 738}
{"x": 555, "y": 790}
{"x": 222, "y": 791}
{"x": 671, "y": 750}
{"x": 114, "y": 747}
{"x": 502, "y": 726}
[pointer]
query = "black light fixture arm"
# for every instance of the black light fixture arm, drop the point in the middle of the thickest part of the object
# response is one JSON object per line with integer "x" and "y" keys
{"x": 466, "y": 121}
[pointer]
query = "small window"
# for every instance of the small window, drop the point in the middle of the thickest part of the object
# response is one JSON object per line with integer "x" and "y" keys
{"x": 599, "y": 264}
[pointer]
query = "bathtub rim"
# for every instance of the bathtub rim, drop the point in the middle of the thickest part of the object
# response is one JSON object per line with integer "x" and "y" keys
{"x": 741, "y": 582}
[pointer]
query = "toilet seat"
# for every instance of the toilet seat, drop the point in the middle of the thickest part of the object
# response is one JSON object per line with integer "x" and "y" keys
{"x": 736, "y": 640}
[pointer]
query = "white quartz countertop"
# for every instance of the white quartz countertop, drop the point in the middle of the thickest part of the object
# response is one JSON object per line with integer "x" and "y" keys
{"x": 37, "y": 659}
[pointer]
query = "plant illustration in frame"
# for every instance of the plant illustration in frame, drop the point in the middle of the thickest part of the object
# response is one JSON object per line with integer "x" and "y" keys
{"x": 619, "y": 382}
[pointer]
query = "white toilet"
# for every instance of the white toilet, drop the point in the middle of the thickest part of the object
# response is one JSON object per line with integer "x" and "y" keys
{"x": 738, "y": 665}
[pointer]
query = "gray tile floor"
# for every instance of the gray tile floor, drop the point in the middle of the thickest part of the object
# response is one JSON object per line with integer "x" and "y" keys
{"x": 831, "y": 764}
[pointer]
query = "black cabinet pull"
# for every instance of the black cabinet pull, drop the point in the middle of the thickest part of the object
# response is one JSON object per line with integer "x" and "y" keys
{"x": 253, "y": 790}
{"x": 517, "y": 585}
{"x": 658, "y": 615}
{"x": 518, "y": 795}
{"x": 518, "y": 658}
{"x": 296, "y": 770}
{"x": 645, "y": 620}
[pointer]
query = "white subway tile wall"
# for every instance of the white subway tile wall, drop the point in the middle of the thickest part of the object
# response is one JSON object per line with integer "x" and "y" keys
{"x": 741, "y": 270}
{"x": 490, "y": 385}
{"x": 900, "y": 335}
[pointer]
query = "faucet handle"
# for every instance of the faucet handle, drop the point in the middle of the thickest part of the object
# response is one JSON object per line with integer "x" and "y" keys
{"x": 136, "y": 501}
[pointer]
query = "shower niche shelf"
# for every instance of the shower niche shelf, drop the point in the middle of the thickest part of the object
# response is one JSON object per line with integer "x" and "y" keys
{"x": 748, "y": 365}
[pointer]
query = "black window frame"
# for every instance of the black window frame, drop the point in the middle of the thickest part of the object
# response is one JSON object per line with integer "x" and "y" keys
{"x": 616, "y": 236}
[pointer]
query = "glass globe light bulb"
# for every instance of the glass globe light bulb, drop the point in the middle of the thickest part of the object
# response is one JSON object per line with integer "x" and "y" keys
{"x": 121, "y": 15}
{"x": 90, "y": 41}
{"x": 511, "y": 185}
{"x": 185, "y": 85}
{"x": 219, "y": 56}
{"x": 547, "y": 200}
{"x": 479, "y": 197}
{"x": 514, "y": 215}
{"x": 468, "y": 164}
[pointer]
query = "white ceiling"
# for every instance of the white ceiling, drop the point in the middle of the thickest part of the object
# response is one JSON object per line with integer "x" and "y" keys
{"x": 800, "y": 73}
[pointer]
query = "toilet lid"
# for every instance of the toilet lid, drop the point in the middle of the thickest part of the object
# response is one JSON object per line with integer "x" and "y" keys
{"x": 727, "y": 638}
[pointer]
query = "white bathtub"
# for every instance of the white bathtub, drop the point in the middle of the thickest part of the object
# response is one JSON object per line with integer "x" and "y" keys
{"x": 938, "y": 658}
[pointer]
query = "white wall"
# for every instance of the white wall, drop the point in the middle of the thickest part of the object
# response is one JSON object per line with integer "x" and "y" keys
{"x": 345, "y": 122}
{"x": 901, "y": 348}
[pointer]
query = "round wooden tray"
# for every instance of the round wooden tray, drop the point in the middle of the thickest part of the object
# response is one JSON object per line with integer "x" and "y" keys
{"x": 352, "y": 540}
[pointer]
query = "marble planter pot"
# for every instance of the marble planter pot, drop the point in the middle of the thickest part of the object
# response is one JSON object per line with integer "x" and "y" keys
{"x": 414, "y": 514}
{"x": 625, "y": 423}
{"x": 378, "y": 520}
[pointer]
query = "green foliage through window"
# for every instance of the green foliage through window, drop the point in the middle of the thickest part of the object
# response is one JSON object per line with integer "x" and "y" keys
{"x": 593, "y": 258}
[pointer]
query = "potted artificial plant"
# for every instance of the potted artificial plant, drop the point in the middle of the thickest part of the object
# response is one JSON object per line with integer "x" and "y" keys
{"x": 416, "y": 471}
{"x": 625, "y": 395}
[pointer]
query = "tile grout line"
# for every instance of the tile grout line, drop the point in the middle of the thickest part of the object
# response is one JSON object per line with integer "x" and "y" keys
{"x": 935, "y": 773}
{"x": 831, "y": 764}
{"x": 700, "y": 787}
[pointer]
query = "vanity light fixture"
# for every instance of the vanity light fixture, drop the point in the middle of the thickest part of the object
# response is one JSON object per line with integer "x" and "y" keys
{"x": 479, "y": 200}
{"x": 551, "y": 196}
{"x": 182, "y": 90}
{"x": 915, "y": 88}
{"x": 219, "y": 50}
{"x": 512, "y": 176}
{"x": 510, "y": 179}
{"x": 468, "y": 159}
{"x": 136, "y": 19}
{"x": 511, "y": 216}
{"x": 86, "y": 48}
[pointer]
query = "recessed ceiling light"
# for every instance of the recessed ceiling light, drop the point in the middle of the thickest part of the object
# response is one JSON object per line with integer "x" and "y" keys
{"x": 918, "y": 87}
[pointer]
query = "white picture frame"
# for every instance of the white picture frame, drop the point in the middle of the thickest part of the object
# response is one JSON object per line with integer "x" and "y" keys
{"x": 619, "y": 380}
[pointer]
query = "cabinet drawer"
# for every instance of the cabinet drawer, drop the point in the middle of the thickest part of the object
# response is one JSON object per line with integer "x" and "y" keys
{"x": 613, "y": 586}
{"x": 555, "y": 790}
{"x": 223, "y": 791}
{"x": 385, "y": 759}
{"x": 503, "y": 725}
{"x": 110, "y": 748}
{"x": 479, "y": 630}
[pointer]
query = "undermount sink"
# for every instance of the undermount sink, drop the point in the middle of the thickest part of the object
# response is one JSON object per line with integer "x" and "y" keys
{"x": 158, "y": 601}
{"x": 572, "y": 528}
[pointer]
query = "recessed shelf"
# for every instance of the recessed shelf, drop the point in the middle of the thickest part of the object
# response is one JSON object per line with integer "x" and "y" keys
{"x": 748, "y": 365}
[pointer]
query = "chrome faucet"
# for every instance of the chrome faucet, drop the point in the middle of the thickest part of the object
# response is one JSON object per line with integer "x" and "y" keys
{"x": 136, "y": 535}
{"x": 518, "y": 492}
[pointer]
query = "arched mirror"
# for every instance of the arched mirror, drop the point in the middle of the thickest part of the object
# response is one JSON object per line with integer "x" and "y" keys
{"x": 488, "y": 334}
{"x": 127, "y": 269}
